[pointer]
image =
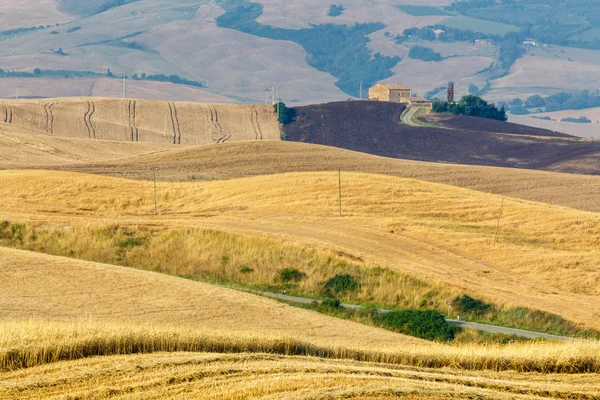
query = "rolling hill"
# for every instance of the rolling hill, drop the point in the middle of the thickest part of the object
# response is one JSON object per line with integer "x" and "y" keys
{"x": 432, "y": 232}
{"x": 375, "y": 128}
{"x": 245, "y": 159}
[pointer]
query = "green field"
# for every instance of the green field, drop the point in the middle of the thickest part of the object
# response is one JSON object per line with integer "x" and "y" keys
{"x": 423, "y": 11}
{"x": 479, "y": 25}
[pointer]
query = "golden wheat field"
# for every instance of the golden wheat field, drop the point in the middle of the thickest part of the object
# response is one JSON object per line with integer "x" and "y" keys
{"x": 243, "y": 159}
{"x": 543, "y": 257}
{"x": 131, "y": 120}
{"x": 89, "y": 330}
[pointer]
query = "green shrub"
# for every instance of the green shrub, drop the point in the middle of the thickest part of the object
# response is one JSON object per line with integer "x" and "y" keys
{"x": 469, "y": 306}
{"x": 429, "y": 325}
{"x": 340, "y": 284}
{"x": 130, "y": 242}
{"x": 246, "y": 269}
{"x": 331, "y": 303}
{"x": 288, "y": 275}
{"x": 424, "y": 54}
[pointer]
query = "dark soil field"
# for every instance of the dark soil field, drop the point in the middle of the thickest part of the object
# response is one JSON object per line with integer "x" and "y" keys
{"x": 375, "y": 128}
{"x": 462, "y": 122}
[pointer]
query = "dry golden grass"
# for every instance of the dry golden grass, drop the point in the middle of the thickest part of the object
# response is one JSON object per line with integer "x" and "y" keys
{"x": 262, "y": 376}
{"x": 20, "y": 147}
{"x": 546, "y": 257}
{"x": 142, "y": 120}
{"x": 236, "y": 160}
{"x": 57, "y": 309}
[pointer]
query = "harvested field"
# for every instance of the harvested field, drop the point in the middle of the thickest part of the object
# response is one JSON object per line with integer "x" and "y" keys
{"x": 262, "y": 376}
{"x": 130, "y": 120}
{"x": 20, "y": 147}
{"x": 375, "y": 128}
{"x": 429, "y": 231}
{"x": 237, "y": 160}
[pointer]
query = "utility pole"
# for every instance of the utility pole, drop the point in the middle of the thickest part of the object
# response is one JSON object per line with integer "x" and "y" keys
{"x": 155, "y": 208}
{"x": 124, "y": 83}
{"x": 273, "y": 93}
{"x": 340, "y": 188}
{"x": 266, "y": 96}
{"x": 498, "y": 224}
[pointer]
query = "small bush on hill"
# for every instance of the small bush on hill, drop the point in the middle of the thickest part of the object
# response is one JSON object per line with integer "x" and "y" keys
{"x": 246, "y": 269}
{"x": 331, "y": 303}
{"x": 340, "y": 284}
{"x": 467, "y": 305}
{"x": 429, "y": 325}
{"x": 288, "y": 275}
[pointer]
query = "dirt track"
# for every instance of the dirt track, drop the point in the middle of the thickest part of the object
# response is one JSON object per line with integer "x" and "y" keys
{"x": 132, "y": 120}
{"x": 375, "y": 128}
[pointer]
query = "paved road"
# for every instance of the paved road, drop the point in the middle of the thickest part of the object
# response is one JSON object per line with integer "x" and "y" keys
{"x": 463, "y": 324}
{"x": 407, "y": 117}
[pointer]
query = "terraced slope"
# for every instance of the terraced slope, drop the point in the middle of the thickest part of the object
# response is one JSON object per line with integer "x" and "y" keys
{"x": 237, "y": 160}
{"x": 142, "y": 120}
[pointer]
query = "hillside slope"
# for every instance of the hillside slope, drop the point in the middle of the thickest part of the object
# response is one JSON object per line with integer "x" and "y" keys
{"x": 142, "y": 120}
{"x": 433, "y": 232}
{"x": 375, "y": 128}
{"x": 107, "y": 294}
{"x": 244, "y": 159}
{"x": 21, "y": 147}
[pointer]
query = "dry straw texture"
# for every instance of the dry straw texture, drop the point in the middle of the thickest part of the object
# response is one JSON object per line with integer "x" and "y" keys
{"x": 263, "y": 376}
{"x": 434, "y": 232}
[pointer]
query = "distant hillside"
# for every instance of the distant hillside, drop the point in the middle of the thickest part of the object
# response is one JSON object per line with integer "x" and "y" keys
{"x": 375, "y": 128}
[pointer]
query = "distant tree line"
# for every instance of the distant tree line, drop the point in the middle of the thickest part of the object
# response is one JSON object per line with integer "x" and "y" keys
{"x": 176, "y": 79}
{"x": 70, "y": 74}
{"x": 336, "y": 49}
{"x": 510, "y": 45}
{"x": 556, "y": 102}
{"x": 16, "y": 31}
{"x": 473, "y": 106}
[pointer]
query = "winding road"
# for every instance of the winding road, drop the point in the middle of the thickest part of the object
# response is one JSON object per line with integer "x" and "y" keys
{"x": 462, "y": 324}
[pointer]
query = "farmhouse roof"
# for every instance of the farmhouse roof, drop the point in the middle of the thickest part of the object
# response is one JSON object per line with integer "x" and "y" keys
{"x": 393, "y": 86}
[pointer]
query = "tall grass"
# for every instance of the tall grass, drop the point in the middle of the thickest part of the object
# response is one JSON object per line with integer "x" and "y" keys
{"x": 25, "y": 344}
{"x": 223, "y": 257}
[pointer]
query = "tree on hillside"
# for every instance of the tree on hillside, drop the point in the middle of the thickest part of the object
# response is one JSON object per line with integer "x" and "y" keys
{"x": 473, "y": 106}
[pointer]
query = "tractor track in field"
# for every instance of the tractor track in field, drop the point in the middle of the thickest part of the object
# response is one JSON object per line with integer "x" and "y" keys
{"x": 257, "y": 131}
{"x": 86, "y": 120}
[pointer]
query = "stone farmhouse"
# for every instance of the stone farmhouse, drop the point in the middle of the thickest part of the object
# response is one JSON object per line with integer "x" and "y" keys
{"x": 396, "y": 93}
